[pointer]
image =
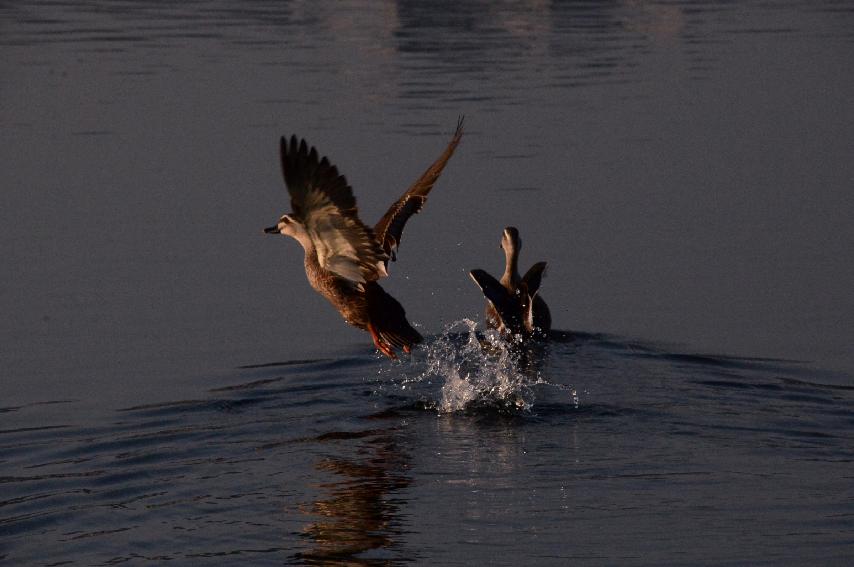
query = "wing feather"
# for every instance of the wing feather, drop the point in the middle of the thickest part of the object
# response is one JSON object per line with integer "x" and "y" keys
{"x": 323, "y": 201}
{"x": 506, "y": 304}
{"x": 533, "y": 278}
{"x": 390, "y": 227}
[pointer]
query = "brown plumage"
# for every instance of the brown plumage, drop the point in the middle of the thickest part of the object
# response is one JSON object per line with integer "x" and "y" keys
{"x": 344, "y": 258}
{"x": 514, "y": 305}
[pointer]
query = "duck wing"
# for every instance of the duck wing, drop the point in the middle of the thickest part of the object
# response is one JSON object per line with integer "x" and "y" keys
{"x": 535, "y": 312}
{"x": 533, "y": 278}
{"x": 507, "y": 305}
{"x": 323, "y": 201}
{"x": 390, "y": 227}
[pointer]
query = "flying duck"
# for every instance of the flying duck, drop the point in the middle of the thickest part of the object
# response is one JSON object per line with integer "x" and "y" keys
{"x": 344, "y": 258}
{"x": 514, "y": 305}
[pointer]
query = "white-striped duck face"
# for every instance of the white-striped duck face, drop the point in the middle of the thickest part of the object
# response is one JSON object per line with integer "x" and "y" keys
{"x": 288, "y": 226}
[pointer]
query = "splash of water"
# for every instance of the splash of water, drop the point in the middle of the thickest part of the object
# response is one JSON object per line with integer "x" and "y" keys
{"x": 477, "y": 371}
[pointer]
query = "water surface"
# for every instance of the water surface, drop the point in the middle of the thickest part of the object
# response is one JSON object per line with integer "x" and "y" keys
{"x": 173, "y": 389}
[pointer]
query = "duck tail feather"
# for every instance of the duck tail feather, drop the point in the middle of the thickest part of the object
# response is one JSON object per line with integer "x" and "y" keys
{"x": 389, "y": 318}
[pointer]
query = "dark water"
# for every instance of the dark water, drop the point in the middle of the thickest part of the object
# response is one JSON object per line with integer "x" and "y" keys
{"x": 172, "y": 390}
{"x": 626, "y": 454}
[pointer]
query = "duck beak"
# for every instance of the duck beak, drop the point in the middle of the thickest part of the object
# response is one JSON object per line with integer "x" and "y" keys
{"x": 271, "y": 230}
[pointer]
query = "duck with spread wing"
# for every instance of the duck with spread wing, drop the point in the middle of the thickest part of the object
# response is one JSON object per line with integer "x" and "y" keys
{"x": 344, "y": 258}
{"x": 514, "y": 305}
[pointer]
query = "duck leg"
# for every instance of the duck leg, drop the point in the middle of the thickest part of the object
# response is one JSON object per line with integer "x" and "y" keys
{"x": 383, "y": 347}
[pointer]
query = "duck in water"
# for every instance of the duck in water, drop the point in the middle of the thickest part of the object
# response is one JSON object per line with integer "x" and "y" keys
{"x": 514, "y": 305}
{"x": 344, "y": 258}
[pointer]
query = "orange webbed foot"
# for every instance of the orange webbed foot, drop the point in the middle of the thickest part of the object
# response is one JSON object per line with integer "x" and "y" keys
{"x": 386, "y": 350}
{"x": 381, "y": 345}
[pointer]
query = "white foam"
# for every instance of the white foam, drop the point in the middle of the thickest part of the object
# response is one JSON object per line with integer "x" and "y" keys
{"x": 475, "y": 371}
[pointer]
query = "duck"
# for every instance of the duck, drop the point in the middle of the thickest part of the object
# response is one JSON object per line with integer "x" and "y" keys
{"x": 514, "y": 305}
{"x": 345, "y": 258}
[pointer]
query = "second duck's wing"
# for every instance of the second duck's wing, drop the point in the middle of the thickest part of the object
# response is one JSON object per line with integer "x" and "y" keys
{"x": 506, "y": 304}
{"x": 533, "y": 278}
{"x": 390, "y": 227}
{"x": 323, "y": 201}
{"x": 538, "y": 318}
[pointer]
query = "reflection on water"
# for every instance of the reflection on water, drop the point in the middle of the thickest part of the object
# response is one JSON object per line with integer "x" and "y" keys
{"x": 281, "y": 464}
{"x": 359, "y": 510}
{"x": 439, "y": 53}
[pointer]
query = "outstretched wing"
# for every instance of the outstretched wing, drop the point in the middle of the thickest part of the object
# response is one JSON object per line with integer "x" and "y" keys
{"x": 535, "y": 312}
{"x": 506, "y": 305}
{"x": 534, "y": 277}
{"x": 390, "y": 227}
{"x": 324, "y": 203}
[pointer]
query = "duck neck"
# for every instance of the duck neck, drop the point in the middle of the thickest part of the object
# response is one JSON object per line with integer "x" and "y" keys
{"x": 511, "y": 278}
{"x": 298, "y": 232}
{"x": 310, "y": 261}
{"x": 301, "y": 235}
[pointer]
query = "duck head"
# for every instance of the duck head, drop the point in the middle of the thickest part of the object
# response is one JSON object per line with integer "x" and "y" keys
{"x": 511, "y": 242}
{"x": 286, "y": 225}
{"x": 290, "y": 226}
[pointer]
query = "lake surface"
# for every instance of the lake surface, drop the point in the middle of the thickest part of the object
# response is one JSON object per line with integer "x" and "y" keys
{"x": 173, "y": 390}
